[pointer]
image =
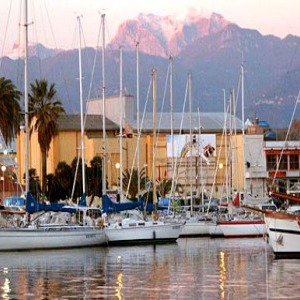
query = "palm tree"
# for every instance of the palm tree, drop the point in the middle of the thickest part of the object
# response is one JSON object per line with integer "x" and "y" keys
{"x": 44, "y": 111}
{"x": 132, "y": 182}
{"x": 34, "y": 184}
{"x": 164, "y": 187}
{"x": 9, "y": 109}
{"x": 95, "y": 177}
{"x": 65, "y": 178}
{"x": 77, "y": 176}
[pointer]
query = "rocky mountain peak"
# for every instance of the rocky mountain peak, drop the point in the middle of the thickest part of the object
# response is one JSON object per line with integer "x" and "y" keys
{"x": 165, "y": 35}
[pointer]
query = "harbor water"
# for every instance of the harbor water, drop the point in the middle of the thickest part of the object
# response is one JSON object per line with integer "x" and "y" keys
{"x": 191, "y": 268}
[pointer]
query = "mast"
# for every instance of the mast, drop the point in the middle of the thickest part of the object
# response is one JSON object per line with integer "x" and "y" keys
{"x": 230, "y": 145}
{"x": 26, "y": 98}
{"x": 154, "y": 136}
{"x": 243, "y": 131}
{"x": 226, "y": 154}
{"x": 138, "y": 116}
{"x": 172, "y": 130}
{"x": 121, "y": 124}
{"x": 200, "y": 160}
{"x": 191, "y": 138}
{"x": 171, "y": 108}
{"x": 103, "y": 108}
{"x": 243, "y": 100}
{"x": 235, "y": 156}
{"x": 81, "y": 108}
{"x": 173, "y": 186}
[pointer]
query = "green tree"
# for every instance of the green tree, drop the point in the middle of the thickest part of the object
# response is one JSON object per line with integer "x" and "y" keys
{"x": 44, "y": 111}
{"x": 9, "y": 109}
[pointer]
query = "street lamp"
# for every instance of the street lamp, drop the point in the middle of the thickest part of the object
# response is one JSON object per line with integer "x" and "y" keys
{"x": 3, "y": 169}
{"x": 146, "y": 175}
{"x": 118, "y": 166}
{"x": 221, "y": 166}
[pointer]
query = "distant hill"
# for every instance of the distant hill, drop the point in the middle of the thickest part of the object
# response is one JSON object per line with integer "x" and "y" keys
{"x": 211, "y": 48}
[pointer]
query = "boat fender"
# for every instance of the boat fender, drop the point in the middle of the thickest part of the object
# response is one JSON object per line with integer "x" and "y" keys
{"x": 154, "y": 216}
{"x": 101, "y": 224}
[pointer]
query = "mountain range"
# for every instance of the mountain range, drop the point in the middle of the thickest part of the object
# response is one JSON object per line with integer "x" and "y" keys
{"x": 211, "y": 48}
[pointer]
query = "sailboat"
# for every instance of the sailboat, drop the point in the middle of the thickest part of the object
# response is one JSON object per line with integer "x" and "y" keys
{"x": 33, "y": 235}
{"x": 196, "y": 224}
{"x": 238, "y": 224}
{"x": 283, "y": 226}
{"x": 132, "y": 228}
{"x": 283, "y": 230}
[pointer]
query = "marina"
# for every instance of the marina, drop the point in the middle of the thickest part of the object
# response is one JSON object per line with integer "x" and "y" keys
{"x": 171, "y": 183}
{"x": 193, "y": 268}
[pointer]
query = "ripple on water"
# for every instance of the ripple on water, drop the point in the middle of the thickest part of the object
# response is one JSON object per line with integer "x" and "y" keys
{"x": 196, "y": 268}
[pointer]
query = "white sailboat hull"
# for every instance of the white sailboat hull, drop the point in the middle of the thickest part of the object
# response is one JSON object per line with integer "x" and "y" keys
{"x": 251, "y": 228}
{"x": 195, "y": 228}
{"x": 147, "y": 233}
{"x": 51, "y": 237}
{"x": 283, "y": 236}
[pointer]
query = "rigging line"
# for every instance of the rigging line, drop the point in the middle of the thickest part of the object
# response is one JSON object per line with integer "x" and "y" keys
{"x": 235, "y": 100}
{"x": 35, "y": 34}
{"x": 93, "y": 70}
{"x": 75, "y": 176}
{"x": 5, "y": 34}
{"x": 285, "y": 141}
{"x": 139, "y": 135}
{"x": 141, "y": 126}
{"x": 238, "y": 91}
{"x": 218, "y": 159}
{"x": 95, "y": 60}
{"x": 85, "y": 46}
{"x": 50, "y": 24}
{"x": 65, "y": 81}
{"x": 163, "y": 103}
{"x": 56, "y": 47}
{"x": 88, "y": 58}
{"x": 19, "y": 78}
{"x": 176, "y": 169}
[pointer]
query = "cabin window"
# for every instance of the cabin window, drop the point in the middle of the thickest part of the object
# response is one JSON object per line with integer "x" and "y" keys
{"x": 271, "y": 162}
{"x": 283, "y": 162}
{"x": 294, "y": 162}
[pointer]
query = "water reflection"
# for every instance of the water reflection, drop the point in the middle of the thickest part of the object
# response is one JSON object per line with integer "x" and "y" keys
{"x": 222, "y": 274}
{"x": 200, "y": 268}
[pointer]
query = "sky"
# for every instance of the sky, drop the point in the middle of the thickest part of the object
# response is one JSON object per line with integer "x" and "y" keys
{"x": 54, "y": 22}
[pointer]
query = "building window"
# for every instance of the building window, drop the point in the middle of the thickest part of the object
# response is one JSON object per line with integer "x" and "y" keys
{"x": 271, "y": 162}
{"x": 294, "y": 162}
{"x": 283, "y": 162}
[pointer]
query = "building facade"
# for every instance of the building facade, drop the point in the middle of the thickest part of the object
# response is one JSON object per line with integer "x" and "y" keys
{"x": 214, "y": 175}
